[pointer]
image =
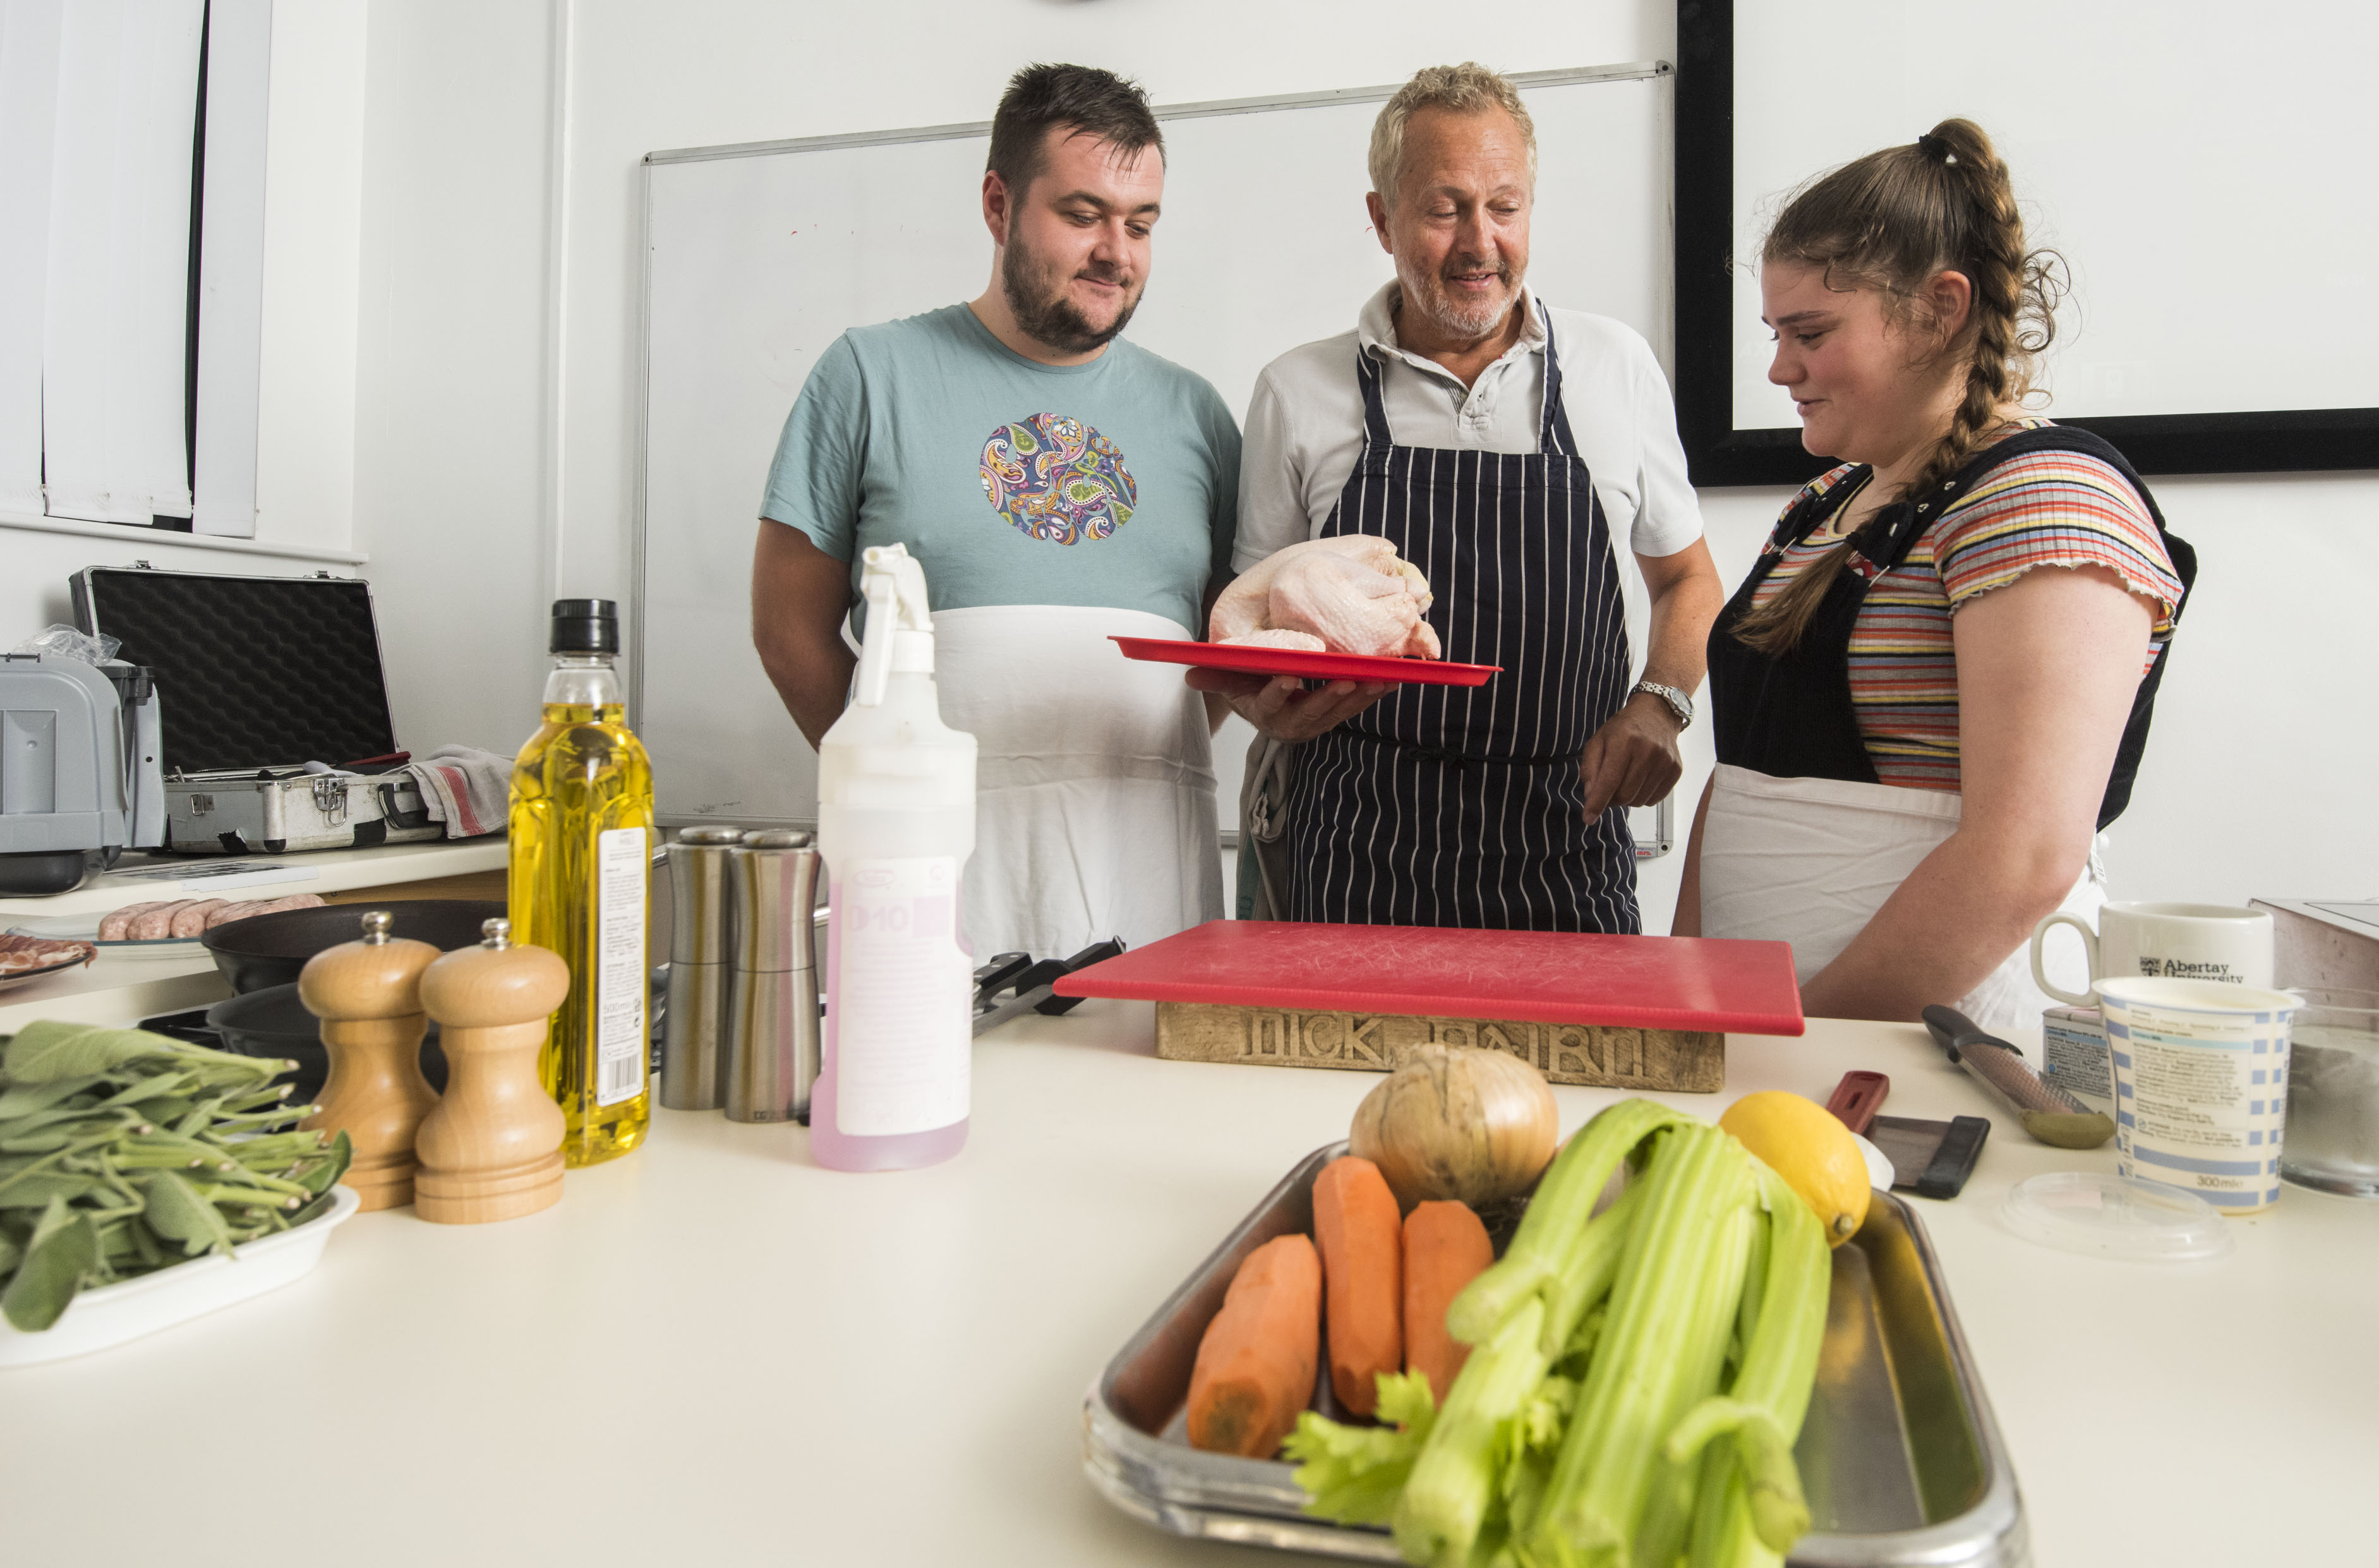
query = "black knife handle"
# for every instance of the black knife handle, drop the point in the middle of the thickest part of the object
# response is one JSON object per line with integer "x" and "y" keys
{"x": 1951, "y": 1028}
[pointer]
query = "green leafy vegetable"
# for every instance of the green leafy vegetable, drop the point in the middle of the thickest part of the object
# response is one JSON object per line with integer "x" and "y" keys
{"x": 123, "y": 1152}
{"x": 65, "y": 1248}
{"x": 1354, "y": 1474}
{"x": 1637, "y": 1381}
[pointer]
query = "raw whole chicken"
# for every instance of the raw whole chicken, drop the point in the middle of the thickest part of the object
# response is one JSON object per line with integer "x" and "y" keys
{"x": 1346, "y": 593}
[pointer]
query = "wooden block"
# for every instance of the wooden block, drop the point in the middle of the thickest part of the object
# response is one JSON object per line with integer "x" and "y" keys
{"x": 1689, "y": 1061}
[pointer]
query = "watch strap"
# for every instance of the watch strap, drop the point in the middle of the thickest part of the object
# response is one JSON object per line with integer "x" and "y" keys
{"x": 1679, "y": 703}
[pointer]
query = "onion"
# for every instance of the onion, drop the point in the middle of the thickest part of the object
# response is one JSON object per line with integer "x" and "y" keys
{"x": 1457, "y": 1121}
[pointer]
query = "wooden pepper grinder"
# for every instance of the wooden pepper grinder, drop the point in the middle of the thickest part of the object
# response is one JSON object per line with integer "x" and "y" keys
{"x": 492, "y": 1148}
{"x": 367, "y": 996}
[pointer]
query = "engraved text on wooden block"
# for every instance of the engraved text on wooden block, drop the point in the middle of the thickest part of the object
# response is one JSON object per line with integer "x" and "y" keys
{"x": 1693, "y": 1061}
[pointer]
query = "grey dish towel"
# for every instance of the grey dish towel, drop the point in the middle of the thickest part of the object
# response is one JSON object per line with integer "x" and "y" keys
{"x": 467, "y": 788}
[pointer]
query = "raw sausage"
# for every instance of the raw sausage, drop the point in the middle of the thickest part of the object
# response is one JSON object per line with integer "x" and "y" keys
{"x": 118, "y": 922}
{"x": 295, "y": 901}
{"x": 156, "y": 923}
{"x": 192, "y": 919}
{"x": 238, "y": 910}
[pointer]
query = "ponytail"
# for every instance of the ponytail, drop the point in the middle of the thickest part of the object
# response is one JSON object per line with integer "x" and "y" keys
{"x": 1893, "y": 221}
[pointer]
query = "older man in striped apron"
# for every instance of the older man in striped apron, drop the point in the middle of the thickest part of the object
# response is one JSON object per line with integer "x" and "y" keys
{"x": 1499, "y": 444}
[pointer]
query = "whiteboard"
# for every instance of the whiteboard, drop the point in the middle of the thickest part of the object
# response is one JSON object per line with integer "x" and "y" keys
{"x": 2191, "y": 163}
{"x": 758, "y": 257}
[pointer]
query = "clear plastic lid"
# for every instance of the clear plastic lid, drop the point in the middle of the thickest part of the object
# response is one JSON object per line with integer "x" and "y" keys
{"x": 2110, "y": 1216}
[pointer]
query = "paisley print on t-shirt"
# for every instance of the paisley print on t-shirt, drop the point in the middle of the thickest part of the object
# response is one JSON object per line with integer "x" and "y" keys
{"x": 1057, "y": 479}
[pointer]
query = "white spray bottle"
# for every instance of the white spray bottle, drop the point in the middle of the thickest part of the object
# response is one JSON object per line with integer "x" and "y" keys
{"x": 895, "y": 825}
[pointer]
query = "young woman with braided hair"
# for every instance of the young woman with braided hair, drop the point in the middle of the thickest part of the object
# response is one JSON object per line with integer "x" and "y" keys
{"x": 1919, "y": 736}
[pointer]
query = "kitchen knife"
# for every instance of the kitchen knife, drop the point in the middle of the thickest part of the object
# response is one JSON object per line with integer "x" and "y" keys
{"x": 1930, "y": 1159}
{"x": 1031, "y": 982}
{"x": 1857, "y": 1098}
{"x": 2047, "y": 1112}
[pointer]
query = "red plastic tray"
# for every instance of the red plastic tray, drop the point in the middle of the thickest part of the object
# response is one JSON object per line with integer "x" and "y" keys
{"x": 1319, "y": 665}
{"x": 1426, "y": 971}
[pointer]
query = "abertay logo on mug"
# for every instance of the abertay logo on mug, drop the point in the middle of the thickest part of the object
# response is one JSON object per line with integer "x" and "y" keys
{"x": 2213, "y": 942}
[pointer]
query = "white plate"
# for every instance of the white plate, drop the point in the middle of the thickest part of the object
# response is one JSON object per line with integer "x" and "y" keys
{"x": 1880, "y": 1173}
{"x": 130, "y": 1309}
{"x": 19, "y": 977}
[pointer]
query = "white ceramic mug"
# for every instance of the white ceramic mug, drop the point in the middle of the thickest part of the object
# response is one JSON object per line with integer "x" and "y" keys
{"x": 2213, "y": 942}
{"x": 2201, "y": 1086}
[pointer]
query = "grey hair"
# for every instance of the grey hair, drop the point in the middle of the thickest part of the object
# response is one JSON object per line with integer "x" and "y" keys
{"x": 1467, "y": 89}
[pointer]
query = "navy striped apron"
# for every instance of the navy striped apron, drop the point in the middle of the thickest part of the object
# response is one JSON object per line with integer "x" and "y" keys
{"x": 1449, "y": 805}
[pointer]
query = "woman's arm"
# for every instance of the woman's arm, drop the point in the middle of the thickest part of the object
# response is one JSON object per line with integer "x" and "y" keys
{"x": 1688, "y": 920}
{"x": 2047, "y": 669}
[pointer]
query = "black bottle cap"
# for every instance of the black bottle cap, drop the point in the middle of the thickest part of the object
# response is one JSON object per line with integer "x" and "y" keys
{"x": 584, "y": 626}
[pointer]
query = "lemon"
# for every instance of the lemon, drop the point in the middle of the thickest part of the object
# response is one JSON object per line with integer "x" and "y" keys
{"x": 1809, "y": 1147}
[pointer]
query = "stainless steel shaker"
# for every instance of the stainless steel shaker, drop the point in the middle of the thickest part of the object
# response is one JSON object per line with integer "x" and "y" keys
{"x": 702, "y": 950}
{"x": 773, "y": 1050}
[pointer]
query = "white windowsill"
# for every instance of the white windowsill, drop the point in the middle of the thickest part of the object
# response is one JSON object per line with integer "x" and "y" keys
{"x": 163, "y": 538}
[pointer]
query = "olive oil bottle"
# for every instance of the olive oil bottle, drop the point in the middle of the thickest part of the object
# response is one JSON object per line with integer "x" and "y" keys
{"x": 581, "y": 884}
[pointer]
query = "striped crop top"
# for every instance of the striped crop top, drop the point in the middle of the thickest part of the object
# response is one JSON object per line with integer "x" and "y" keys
{"x": 2042, "y": 508}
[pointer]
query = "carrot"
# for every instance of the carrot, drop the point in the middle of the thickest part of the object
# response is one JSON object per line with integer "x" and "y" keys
{"x": 1254, "y": 1372}
{"x": 1362, "y": 1278}
{"x": 1446, "y": 1249}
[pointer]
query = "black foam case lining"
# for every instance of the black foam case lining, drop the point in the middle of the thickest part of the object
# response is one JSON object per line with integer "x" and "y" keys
{"x": 251, "y": 671}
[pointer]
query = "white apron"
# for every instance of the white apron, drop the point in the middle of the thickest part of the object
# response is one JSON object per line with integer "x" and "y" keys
{"x": 1809, "y": 860}
{"x": 1094, "y": 780}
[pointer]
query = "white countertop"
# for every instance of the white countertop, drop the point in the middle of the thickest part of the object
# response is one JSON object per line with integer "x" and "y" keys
{"x": 114, "y": 988}
{"x": 714, "y": 1352}
{"x": 313, "y": 871}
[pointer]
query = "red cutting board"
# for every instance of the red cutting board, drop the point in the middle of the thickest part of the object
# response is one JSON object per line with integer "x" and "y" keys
{"x": 1299, "y": 661}
{"x": 1683, "y": 983}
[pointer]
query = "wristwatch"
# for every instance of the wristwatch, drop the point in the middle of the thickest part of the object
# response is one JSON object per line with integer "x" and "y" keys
{"x": 1678, "y": 703}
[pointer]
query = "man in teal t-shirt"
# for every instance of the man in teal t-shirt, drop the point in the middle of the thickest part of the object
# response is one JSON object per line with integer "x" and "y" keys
{"x": 1061, "y": 487}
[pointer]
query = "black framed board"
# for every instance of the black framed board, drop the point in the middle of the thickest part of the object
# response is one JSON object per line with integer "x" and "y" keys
{"x": 2203, "y": 242}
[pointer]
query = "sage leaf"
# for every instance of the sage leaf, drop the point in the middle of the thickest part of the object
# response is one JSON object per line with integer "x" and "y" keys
{"x": 36, "y": 1190}
{"x": 177, "y": 1212}
{"x": 65, "y": 1248}
{"x": 23, "y": 1099}
{"x": 47, "y": 1051}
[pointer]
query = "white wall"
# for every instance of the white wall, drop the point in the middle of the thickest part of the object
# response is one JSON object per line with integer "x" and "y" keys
{"x": 500, "y": 263}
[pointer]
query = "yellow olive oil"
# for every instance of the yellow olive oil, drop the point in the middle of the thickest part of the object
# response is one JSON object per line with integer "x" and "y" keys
{"x": 581, "y": 884}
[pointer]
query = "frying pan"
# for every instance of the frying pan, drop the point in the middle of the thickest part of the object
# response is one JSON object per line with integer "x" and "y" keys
{"x": 268, "y": 949}
{"x": 273, "y": 1022}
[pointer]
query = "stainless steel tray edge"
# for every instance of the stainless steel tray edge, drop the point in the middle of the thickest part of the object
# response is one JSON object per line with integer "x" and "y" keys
{"x": 1255, "y": 1502}
{"x": 1991, "y": 1532}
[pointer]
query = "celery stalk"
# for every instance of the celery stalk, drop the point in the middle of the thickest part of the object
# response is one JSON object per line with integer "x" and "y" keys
{"x": 1723, "y": 1536}
{"x": 1652, "y": 1347}
{"x": 1668, "y": 1506}
{"x": 1556, "y": 1217}
{"x": 1446, "y": 1499}
{"x": 1763, "y": 1409}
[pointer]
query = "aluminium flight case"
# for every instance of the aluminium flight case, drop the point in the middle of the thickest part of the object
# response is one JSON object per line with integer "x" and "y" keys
{"x": 255, "y": 677}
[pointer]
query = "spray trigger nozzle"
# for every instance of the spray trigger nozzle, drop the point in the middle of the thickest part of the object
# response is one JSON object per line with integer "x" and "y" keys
{"x": 900, "y": 621}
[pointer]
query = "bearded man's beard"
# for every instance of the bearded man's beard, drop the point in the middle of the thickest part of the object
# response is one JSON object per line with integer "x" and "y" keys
{"x": 1043, "y": 311}
{"x": 1430, "y": 294}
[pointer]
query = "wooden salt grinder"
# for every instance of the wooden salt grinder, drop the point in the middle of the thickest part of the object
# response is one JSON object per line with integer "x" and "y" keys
{"x": 492, "y": 1148}
{"x": 367, "y": 996}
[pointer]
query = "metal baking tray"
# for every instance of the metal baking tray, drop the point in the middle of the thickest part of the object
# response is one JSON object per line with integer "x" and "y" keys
{"x": 1900, "y": 1456}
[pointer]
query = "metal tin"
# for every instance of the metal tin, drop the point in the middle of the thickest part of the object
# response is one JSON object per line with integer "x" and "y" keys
{"x": 1900, "y": 1456}
{"x": 702, "y": 924}
{"x": 773, "y": 1033}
